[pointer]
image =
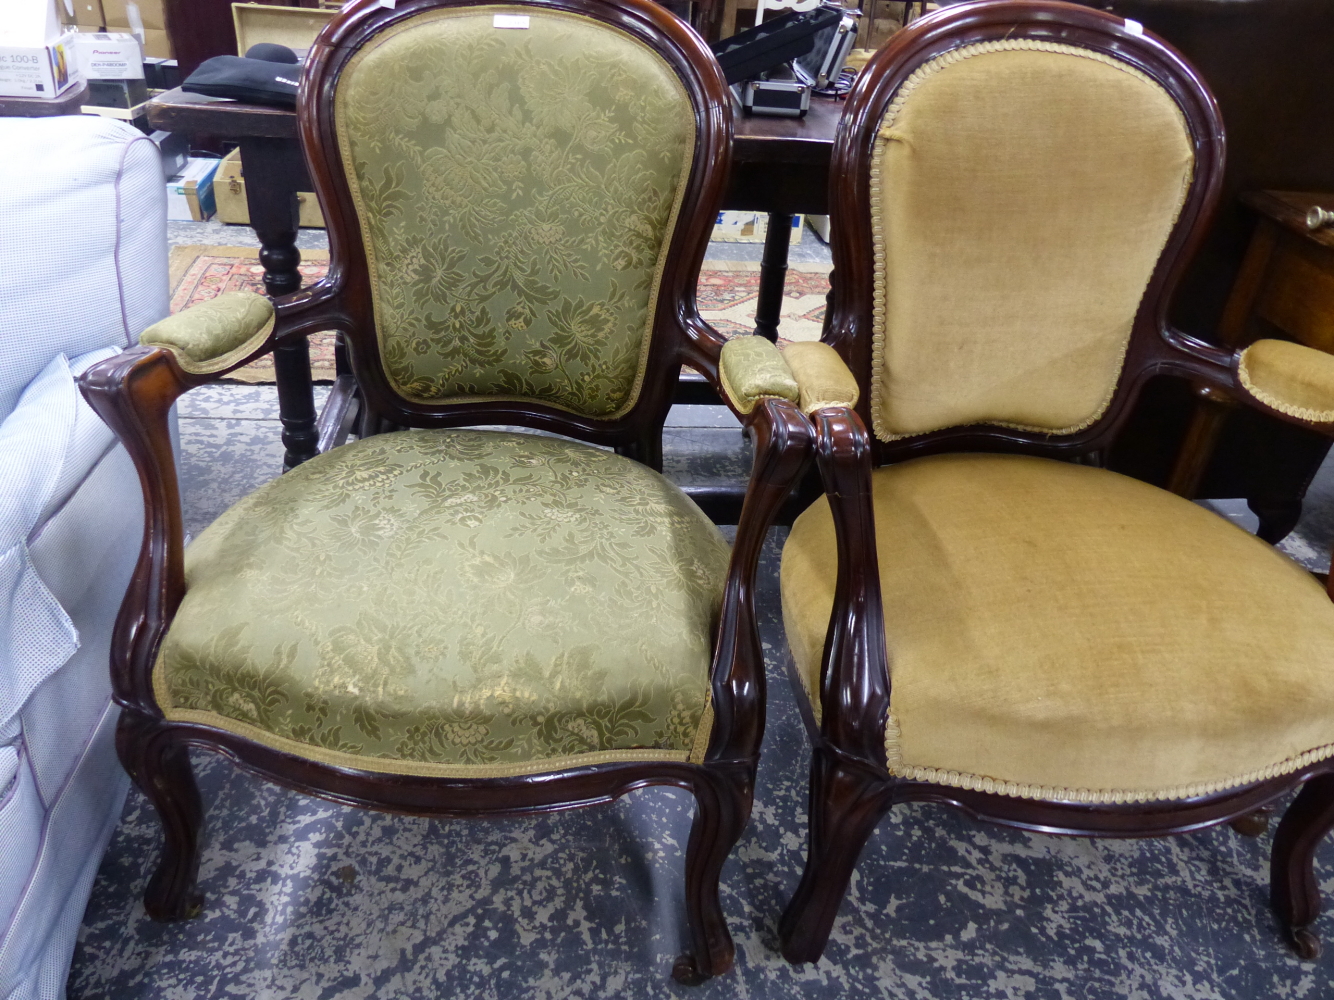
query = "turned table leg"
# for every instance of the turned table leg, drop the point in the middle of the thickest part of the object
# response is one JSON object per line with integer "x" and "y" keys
{"x": 773, "y": 274}
{"x": 274, "y": 173}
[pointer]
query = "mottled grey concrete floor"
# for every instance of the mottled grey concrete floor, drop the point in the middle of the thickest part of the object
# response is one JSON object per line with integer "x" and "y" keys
{"x": 322, "y": 902}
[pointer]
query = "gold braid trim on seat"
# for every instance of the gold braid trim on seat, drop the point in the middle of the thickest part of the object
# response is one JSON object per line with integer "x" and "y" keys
{"x": 426, "y": 769}
{"x": 886, "y": 134}
{"x": 995, "y": 786}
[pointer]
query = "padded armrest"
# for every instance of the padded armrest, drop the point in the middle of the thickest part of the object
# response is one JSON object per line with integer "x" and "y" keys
{"x": 1296, "y": 381}
{"x": 822, "y": 377}
{"x": 212, "y": 335}
{"x": 751, "y": 368}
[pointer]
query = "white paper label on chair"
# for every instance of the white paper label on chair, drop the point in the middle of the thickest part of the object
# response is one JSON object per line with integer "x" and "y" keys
{"x": 509, "y": 21}
{"x": 388, "y": 3}
{"x": 1134, "y": 27}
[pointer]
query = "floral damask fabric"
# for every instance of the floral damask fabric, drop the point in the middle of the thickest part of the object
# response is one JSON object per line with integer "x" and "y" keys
{"x": 516, "y": 191}
{"x": 453, "y": 597}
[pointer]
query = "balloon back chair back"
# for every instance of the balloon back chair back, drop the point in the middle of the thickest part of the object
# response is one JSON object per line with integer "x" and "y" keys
{"x": 979, "y": 615}
{"x": 453, "y": 622}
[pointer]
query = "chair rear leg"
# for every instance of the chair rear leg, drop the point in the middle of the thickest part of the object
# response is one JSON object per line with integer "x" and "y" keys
{"x": 723, "y": 796}
{"x": 160, "y": 767}
{"x": 846, "y": 802}
{"x": 1293, "y": 891}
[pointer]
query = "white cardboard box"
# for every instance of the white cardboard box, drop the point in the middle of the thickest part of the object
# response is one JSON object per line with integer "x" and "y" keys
{"x": 36, "y": 52}
{"x": 109, "y": 56}
{"x": 46, "y": 70}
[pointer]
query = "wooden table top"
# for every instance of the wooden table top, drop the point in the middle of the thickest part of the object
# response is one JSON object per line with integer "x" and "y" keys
{"x": 808, "y": 140}
{"x": 1289, "y": 208}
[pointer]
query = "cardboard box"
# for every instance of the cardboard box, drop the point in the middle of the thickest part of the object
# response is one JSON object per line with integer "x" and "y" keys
{"x": 157, "y": 44}
{"x": 190, "y": 196}
{"x": 749, "y": 227}
{"x": 46, "y": 70}
{"x": 106, "y": 56}
{"x": 295, "y": 27}
{"x": 86, "y": 13}
{"x": 152, "y": 14}
{"x": 229, "y": 193}
{"x": 36, "y": 51}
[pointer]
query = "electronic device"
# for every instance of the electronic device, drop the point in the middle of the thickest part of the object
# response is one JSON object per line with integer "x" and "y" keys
{"x": 761, "y": 48}
{"x": 829, "y": 51}
{"x": 776, "y": 92}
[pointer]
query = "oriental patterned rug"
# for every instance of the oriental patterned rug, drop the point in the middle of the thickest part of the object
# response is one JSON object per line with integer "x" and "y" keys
{"x": 727, "y": 293}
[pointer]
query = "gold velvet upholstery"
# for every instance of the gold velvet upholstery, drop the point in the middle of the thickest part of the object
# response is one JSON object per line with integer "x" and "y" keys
{"x": 1063, "y": 632}
{"x": 210, "y": 336}
{"x": 1291, "y": 378}
{"x": 1021, "y": 193}
{"x": 823, "y": 378}
{"x": 464, "y": 603}
{"x": 751, "y": 368}
{"x": 516, "y": 190}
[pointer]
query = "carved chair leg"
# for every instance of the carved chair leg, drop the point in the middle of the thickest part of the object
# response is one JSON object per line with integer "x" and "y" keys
{"x": 846, "y": 802}
{"x": 160, "y": 767}
{"x": 1293, "y": 891}
{"x": 722, "y": 807}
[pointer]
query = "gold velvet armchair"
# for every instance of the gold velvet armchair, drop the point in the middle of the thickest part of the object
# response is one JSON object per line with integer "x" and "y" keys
{"x": 457, "y": 622}
{"x": 978, "y": 614}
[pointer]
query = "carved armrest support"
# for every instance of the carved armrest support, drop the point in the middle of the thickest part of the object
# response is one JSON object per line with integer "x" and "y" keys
{"x": 822, "y": 376}
{"x": 784, "y": 440}
{"x": 133, "y": 392}
{"x": 854, "y": 686}
{"x": 752, "y": 368}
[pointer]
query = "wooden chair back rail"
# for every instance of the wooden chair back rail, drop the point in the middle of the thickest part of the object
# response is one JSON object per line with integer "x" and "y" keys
{"x": 849, "y": 777}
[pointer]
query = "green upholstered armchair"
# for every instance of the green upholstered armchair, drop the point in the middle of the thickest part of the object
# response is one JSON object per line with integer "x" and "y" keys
{"x": 980, "y": 615}
{"x": 451, "y": 621}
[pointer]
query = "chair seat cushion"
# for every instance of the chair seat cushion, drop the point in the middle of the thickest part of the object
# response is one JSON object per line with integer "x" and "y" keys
{"x": 1062, "y": 632}
{"x": 453, "y": 602}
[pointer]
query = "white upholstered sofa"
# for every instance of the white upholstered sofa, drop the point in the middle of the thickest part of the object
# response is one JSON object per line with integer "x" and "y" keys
{"x": 83, "y": 269}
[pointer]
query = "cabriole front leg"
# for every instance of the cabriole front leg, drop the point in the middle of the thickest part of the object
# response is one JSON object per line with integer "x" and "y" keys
{"x": 723, "y": 796}
{"x": 846, "y": 802}
{"x": 160, "y": 768}
{"x": 1293, "y": 890}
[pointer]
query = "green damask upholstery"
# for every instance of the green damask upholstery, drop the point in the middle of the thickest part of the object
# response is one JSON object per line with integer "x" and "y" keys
{"x": 751, "y": 368}
{"x": 211, "y": 335}
{"x": 516, "y": 189}
{"x": 453, "y": 603}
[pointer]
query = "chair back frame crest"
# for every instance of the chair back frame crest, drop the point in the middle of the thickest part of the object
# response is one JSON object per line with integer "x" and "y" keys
{"x": 675, "y": 324}
{"x": 1153, "y": 347}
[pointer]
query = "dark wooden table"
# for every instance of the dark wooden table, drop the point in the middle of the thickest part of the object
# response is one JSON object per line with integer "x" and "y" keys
{"x": 1285, "y": 288}
{"x": 780, "y": 166}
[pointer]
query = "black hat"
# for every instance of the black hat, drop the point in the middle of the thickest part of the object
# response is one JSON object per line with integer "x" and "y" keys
{"x": 256, "y": 81}
{"x": 271, "y": 52}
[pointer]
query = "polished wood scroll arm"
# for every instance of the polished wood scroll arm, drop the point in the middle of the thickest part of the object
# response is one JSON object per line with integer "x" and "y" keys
{"x": 133, "y": 393}
{"x": 854, "y": 687}
{"x": 783, "y": 444}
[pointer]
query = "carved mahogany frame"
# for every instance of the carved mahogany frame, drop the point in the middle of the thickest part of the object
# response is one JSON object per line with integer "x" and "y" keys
{"x": 134, "y": 392}
{"x": 851, "y": 788}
